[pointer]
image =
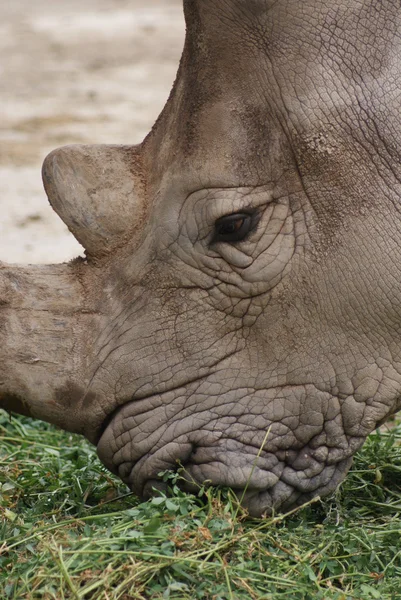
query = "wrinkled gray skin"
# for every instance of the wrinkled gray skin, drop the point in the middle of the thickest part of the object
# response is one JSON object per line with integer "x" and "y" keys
{"x": 168, "y": 346}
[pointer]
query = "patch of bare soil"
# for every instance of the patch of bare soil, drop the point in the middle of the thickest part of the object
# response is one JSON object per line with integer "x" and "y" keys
{"x": 97, "y": 71}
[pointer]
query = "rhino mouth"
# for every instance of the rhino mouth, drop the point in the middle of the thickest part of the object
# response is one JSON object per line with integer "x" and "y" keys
{"x": 271, "y": 464}
{"x": 261, "y": 491}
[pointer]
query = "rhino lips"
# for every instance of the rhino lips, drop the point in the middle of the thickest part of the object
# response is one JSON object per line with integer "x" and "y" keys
{"x": 130, "y": 471}
{"x": 138, "y": 443}
{"x": 105, "y": 424}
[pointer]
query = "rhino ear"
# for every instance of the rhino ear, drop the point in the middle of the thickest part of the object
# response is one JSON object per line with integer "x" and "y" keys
{"x": 97, "y": 191}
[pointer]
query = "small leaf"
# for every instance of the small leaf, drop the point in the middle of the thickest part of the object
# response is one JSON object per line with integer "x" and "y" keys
{"x": 153, "y": 525}
{"x": 6, "y": 487}
{"x": 52, "y": 451}
{"x": 378, "y": 476}
{"x": 174, "y": 586}
{"x": 310, "y": 572}
{"x": 134, "y": 534}
{"x": 10, "y": 515}
{"x": 371, "y": 591}
{"x": 172, "y": 506}
{"x": 158, "y": 501}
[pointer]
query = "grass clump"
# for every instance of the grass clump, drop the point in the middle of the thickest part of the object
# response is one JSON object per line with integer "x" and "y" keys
{"x": 69, "y": 530}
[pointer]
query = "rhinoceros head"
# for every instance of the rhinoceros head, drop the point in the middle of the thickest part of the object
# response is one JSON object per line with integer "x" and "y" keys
{"x": 238, "y": 312}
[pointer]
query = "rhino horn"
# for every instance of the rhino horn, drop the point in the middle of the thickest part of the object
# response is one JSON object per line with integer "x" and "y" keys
{"x": 96, "y": 190}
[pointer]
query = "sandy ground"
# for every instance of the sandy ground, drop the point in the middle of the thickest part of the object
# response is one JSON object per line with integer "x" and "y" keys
{"x": 88, "y": 71}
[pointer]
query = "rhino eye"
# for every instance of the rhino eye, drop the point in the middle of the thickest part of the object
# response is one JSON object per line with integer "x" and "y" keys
{"x": 233, "y": 228}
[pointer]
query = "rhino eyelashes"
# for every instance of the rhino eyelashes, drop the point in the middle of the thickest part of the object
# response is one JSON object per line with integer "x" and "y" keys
{"x": 235, "y": 227}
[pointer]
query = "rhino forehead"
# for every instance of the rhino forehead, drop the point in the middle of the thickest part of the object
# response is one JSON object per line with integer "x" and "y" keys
{"x": 237, "y": 313}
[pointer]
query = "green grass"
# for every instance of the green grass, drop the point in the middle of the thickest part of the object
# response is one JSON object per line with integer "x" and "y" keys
{"x": 70, "y": 530}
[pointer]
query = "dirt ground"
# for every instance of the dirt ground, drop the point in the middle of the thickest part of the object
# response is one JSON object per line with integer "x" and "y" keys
{"x": 92, "y": 71}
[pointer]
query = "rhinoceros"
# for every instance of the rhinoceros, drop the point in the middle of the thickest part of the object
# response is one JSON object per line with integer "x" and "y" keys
{"x": 238, "y": 312}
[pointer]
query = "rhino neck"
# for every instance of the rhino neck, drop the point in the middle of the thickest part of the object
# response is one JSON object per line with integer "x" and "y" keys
{"x": 43, "y": 311}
